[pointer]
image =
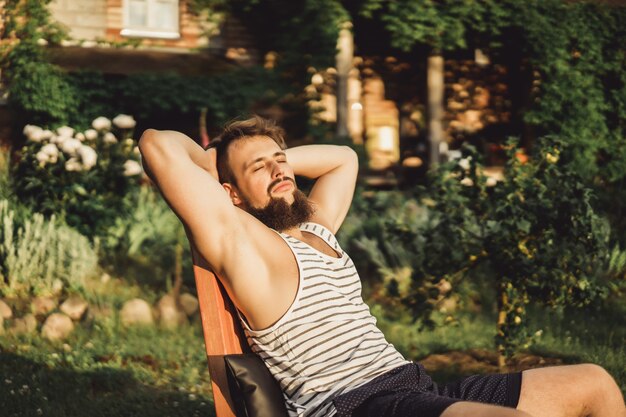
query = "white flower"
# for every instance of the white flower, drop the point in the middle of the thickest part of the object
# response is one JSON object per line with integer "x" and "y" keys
{"x": 34, "y": 133}
{"x": 65, "y": 131}
{"x": 491, "y": 181}
{"x": 124, "y": 121}
{"x": 132, "y": 168}
{"x": 110, "y": 138}
{"x": 88, "y": 156}
{"x": 70, "y": 146}
{"x": 58, "y": 139}
{"x": 136, "y": 150}
{"x": 47, "y": 134}
{"x": 80, "y": 136}
{"x": 72, "y": 164}
{"x": 465, "y": 163}
{"x": 467, "y": 182}
{"x": 101, "y": 123}
{"x": 50, "y": 149}
{"x": 28, "y": 128}
{"x": 42, "y": 42}
{"x": 42, "y": 157}
{"x": 91, "y": 134}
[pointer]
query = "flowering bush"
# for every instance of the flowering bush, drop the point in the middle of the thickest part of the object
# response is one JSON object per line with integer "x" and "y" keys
{"x": 81, "y": 176}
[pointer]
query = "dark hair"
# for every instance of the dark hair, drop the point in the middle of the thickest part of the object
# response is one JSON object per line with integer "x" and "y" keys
{"x": 241, "y": 129}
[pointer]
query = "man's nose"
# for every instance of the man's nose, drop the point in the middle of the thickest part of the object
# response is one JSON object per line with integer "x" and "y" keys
{"x": 277, "y": 170}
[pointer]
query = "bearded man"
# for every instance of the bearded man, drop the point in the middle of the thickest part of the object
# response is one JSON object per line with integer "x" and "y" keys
{"x": 299, "y": 295}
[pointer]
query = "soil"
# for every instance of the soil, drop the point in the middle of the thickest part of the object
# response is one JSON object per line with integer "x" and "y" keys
{"x": 445, "y": 367}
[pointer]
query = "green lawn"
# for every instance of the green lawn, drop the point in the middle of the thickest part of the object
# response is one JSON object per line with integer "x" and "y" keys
{"x": 107, "y": 370}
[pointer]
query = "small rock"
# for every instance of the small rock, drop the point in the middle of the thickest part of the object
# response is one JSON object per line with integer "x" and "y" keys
{"x": 169, "y": 313}
{"x": 448, "y": 305}
{"x": 5, "y": 310}
{"x": 189, "y": 303}
{"x": 40, "y": 306}
{"x": 57, "y": 327}
{"x": 136, "y": 311}
{"x": 74, "y": 307}
{"x": 24, "y": 325}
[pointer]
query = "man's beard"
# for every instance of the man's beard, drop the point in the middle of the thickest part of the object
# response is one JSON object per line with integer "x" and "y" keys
{"x": 280, "y": 215}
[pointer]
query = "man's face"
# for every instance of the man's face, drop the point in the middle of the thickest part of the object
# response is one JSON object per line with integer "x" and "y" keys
{"x": 261, "y": 170}
{"x": 266, "y": 187}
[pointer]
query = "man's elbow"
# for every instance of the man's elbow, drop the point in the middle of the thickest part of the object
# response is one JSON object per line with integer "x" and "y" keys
{"x": 147, "y": 139}
{"x": 352, "y": 158}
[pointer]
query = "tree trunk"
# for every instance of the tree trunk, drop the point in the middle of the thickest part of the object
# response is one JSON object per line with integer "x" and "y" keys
{"x": 435, "y": 83}
{"x": 345, "y": 54}
{"x": 502, "y": 305}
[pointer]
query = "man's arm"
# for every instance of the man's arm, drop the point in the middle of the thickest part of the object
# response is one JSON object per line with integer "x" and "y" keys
{"x": 186, "y": 176}
{"x": 335, "y": 168}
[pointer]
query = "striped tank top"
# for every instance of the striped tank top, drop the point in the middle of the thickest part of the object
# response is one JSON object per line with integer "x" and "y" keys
{"x": 327, "y": 342}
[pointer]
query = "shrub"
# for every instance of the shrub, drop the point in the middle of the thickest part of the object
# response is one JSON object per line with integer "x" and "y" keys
{"x": 80, "y": 176}
{"x": 145, "y": 238}
{"x": 535, "y": 232}
{"x": 39, "y": 256}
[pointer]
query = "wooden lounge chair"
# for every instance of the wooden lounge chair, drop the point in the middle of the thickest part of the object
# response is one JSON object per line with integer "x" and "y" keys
{"x": 242, "y": 386}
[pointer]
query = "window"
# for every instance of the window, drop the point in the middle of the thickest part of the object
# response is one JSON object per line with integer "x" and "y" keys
{"x": 151, "y": 18}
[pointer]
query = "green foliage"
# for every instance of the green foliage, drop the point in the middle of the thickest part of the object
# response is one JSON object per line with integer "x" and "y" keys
{"x": 143, "y": 241}
{"x": 4, "y": 175}
{"x": 541, "y": 236}
{"x": 36, "y": 88}
{"x": 536, "y": 232}
{"x": 39, "y": 256}
{"x": 574, "y": 53}
{"x": 301, "y": 35}
{"x": 409, "y": 242}
{"x": 82, "y": 177}
{"x": 147, "y": 96}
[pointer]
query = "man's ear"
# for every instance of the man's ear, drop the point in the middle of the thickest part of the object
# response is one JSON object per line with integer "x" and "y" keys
{"x": 232, "y": 193}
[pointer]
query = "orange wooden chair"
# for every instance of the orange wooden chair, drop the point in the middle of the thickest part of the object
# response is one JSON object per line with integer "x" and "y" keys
{"x": 255, "y": 392}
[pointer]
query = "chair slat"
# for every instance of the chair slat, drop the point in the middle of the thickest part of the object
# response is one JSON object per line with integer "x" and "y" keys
{"x": 222, "y": 332}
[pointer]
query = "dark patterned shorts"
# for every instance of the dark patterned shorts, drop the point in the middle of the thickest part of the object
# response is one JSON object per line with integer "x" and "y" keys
{"x": 409, "y": 391}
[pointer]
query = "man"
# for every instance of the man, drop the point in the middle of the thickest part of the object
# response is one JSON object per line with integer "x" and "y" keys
{"x": 298, "y": 293}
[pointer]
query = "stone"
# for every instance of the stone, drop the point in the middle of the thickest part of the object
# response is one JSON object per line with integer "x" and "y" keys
{"x": 74, "y": 307}
{"x": 189, "y": 303}
{"x": 57, "y": 326}
{"x": 24, "y": 325}
{"x": 448, "y": 305}
{"x": 136, "y": 311}
{"x": 5, "y": 310}
{"x": 40, "y": 306}
{"x": 170, "y": 315}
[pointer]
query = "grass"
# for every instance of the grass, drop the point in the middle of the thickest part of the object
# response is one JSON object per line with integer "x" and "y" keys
{"x": 105, "y": 369}
{"x": 596, "y": 335}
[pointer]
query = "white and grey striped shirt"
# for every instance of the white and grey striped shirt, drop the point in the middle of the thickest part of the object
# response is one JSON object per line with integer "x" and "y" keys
{"x": 327, "y": 343}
